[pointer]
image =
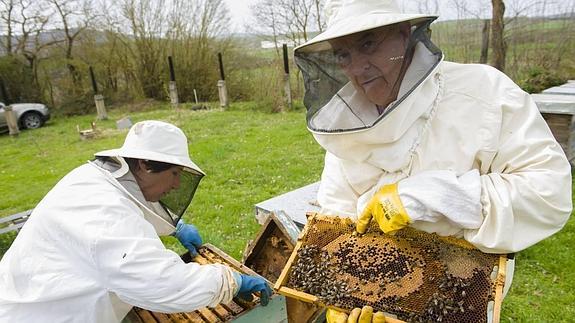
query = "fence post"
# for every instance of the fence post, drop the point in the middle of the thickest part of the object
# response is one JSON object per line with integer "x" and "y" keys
{"x": 98, "y": 98}
{"x": 287, "y": 87}
{"x": 11, "y": 120}
{"x": 485, "y": 41}
{"x": 172, "y": 86}
{"x": 9, "y": 113}
{"x": 222, "y": 90}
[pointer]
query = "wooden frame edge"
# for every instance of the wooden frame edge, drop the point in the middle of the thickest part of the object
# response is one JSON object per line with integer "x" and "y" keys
{"x": 500, "y": 283}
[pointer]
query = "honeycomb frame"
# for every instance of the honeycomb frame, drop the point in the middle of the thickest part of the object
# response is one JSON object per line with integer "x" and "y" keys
{"x": 411, "y": 276}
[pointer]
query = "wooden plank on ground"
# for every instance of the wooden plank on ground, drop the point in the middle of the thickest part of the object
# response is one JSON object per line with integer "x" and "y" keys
{"x": 13, "y": 217}
{"x": 12, "y": 227}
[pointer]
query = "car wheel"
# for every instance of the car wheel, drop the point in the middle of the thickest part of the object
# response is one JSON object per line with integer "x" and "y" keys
{"x": 31, "y": 120}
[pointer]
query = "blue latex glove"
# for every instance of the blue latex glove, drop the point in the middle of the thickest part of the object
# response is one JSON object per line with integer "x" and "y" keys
{"x": 188, "y": 236}
{"x": 252, "y": 284}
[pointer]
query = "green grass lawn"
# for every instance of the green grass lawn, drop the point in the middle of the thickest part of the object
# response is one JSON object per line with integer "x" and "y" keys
{"x": 250, "y": 156}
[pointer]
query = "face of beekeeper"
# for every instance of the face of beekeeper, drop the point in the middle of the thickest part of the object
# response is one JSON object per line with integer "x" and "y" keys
{"x": 155, "y": 184}
{"x": 372, "y": 60}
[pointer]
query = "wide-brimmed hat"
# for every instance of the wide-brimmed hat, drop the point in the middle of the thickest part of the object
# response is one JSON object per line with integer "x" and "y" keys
{"x": 346, "y": 17}
{"x": 157, "y": 141}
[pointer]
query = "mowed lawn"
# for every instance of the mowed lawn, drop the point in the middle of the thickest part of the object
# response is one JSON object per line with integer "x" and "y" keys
{"x": 250, "y": 156}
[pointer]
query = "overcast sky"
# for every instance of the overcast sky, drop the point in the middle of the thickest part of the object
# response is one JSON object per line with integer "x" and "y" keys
{"x": 240, "y": 12}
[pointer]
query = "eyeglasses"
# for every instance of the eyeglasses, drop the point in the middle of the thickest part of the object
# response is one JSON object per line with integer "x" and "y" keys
{"x": 366, "y": 44}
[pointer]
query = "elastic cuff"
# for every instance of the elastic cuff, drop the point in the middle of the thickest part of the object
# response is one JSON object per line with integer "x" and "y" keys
{"x": 238, "y": 279}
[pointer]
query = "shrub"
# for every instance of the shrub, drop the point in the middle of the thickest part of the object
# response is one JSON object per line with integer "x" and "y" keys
{"x": 539, "y": 79}
{"x": 17, "y": 78}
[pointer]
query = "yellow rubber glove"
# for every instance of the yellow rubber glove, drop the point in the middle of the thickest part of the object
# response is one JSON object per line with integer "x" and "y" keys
{"x": 386, "y": 208}
{"x": 378, "y": 317}
{"x": 357, "y": 315}
{"x": 334, "y": 316}
{"x": 365, "y": 315}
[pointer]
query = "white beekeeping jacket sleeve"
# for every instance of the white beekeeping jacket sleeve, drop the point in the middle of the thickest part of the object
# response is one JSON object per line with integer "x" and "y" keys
{"x": 133, "y": 263}
{"x": 432, "y": 194}
{"x": 526, "y": 196}
{"x": 335, "y": 195}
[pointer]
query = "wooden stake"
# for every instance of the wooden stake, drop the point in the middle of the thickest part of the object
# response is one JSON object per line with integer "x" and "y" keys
{"x": 287, "y": 87}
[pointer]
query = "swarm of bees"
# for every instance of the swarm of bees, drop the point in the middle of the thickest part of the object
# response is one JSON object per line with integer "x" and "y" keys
{"x": 315, "y": 274}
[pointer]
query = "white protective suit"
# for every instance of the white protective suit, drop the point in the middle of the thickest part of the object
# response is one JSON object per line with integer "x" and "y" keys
{"x": 87, "y": 254}
{"x": 480, "y": 161}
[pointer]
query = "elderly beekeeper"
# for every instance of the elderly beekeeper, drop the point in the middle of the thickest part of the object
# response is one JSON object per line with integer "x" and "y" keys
{"x": 91, "y": 248}
{"x": 411, "y": 139}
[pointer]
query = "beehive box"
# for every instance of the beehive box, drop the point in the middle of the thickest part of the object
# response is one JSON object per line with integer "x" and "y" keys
{"x": 411, "y": 276}
{"x": 208, "y": 254}
{"x": 268, "y": 254}
{"x": 558, "y": 110}
{"x": 270, "y": 250}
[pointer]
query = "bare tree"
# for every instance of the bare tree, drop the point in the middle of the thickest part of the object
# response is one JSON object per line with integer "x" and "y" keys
{"x": 469, "y": 16}
{"x": 268, "y": 20}
{"x": 295, "y": 16}
{"x": 187, "y": 30}
{"x": 31, "y": 41}
{"x": 7, "y": 21}
{"x": 25, "y": 41}
{"x": 427, "y": 7}
{"x": 75, "y": 17}
{"x": 147, "y": 22}
{"x": 317, "y": 16}
{"x": 292, "y": 19}
{"x": 196, "y": 43}
{"x": 498, "y": 45}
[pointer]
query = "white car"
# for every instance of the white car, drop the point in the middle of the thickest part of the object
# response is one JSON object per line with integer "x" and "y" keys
{"x": 29, "y": 115}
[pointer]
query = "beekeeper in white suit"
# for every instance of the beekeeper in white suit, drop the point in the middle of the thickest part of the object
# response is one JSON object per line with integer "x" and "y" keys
{"x": 411, "y": 139}
{"x": 90, "y": 249}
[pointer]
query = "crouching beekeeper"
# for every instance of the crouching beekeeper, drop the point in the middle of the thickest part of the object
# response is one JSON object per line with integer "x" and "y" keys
{"x": 91, "y": 248}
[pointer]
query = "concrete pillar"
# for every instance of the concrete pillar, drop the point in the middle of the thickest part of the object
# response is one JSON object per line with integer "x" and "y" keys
{"x": 174, "y": 94}
{"x": 223, "y": 93}
{"x": 100, "y": 107}
{"x": 287, "y": 91}
{"x": 11, "y": 120}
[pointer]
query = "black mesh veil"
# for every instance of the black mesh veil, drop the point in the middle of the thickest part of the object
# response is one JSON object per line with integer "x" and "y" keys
{"x": 177, "y": 200}
{"x": 335, "y": 103}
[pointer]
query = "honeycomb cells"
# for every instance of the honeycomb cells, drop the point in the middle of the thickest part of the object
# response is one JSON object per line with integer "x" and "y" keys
{"x": 416, "y": 276}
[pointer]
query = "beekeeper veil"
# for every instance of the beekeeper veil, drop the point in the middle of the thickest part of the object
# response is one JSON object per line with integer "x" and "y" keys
{"x": 161, "y": 142}
{"x": 367, "y": 61}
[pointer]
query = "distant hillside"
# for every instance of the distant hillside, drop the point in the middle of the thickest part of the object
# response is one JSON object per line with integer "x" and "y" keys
{"x": 51, "y": 36}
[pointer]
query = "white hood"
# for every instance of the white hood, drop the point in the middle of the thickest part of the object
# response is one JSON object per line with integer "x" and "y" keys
{"x": 371, "y": 146}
